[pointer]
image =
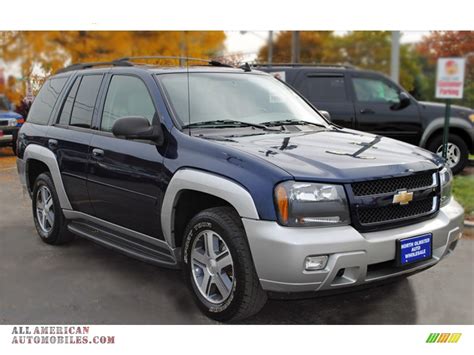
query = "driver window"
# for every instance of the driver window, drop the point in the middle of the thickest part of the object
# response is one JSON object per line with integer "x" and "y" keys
{"x": 127, "y": 96}
{"x": 374, "y": 90}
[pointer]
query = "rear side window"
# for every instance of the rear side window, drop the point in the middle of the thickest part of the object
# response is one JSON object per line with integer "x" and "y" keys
{"x": 67, "y": 107}
{"x": 44, "y": 103}
{"x": 127, "y": 96}
{"x": 324, "y": 88}
{"x": 86, "y": 96}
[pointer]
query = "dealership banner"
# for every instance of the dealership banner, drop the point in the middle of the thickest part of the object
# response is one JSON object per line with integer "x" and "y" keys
{"x": 236, "y": 340}
{"x": 450, "y": 78}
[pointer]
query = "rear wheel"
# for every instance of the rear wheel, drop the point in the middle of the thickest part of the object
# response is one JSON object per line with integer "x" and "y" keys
{"x": 457, "y": 152}
{"x": 218, "y": 266}
{"x": 49, "y": 220}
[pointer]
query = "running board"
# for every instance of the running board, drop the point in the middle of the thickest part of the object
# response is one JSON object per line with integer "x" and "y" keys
{"x": 125, "y": 244}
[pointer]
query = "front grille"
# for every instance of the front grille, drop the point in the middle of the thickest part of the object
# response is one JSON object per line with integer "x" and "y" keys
{"x": 372, "y": 206}
{"x": 383, "y": 186}
{"x": 4, "y": 123}
{"x": 394, "y": 213}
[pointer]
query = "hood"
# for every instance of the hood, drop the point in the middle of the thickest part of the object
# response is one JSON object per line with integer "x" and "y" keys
{"x": 436, "y": 109}
{"x": 9, "y": 114}
{"x": 341, "y": 155}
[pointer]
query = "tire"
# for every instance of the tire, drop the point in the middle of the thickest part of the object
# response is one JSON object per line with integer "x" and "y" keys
{"x": 435, "y": 145}
{"x": 51, "y": 230}
{"x": 245, "y": 297}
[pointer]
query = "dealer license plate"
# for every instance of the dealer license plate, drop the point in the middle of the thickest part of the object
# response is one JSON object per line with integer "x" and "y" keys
{"x": 414, "y": 249}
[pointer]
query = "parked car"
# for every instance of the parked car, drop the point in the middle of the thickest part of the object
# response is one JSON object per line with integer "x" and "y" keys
{"x": 10, "y": 123}
{"x": 371, "y": 102}
{"x": 230, "y": 175}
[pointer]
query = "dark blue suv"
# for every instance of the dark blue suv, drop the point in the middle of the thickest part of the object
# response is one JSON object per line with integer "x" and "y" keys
{"x": 232, "y": 176}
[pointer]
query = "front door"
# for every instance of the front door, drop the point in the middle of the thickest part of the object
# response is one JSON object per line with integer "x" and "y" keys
{"x": 124, "y": 181}
{"x": 378, "y": 110}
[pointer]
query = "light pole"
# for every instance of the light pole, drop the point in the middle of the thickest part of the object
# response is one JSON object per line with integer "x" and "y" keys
{"x": 395, "y": 57}
{"x": 295, "y": 47}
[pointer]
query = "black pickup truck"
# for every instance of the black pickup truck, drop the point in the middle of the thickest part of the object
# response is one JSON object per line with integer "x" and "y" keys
{"x": 371, "y": 102}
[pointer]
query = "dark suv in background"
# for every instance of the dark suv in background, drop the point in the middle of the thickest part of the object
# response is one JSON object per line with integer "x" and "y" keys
{"x": 371, "y": 102}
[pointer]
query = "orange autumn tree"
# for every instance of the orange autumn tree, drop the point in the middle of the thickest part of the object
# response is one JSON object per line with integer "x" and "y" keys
{"x": 44, "y": 52}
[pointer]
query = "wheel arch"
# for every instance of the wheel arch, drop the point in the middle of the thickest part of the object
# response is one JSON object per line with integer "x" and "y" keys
{"x": 457, "y": 126}
{"x": 196, "y": 184}
{"x": 39, "y": 157}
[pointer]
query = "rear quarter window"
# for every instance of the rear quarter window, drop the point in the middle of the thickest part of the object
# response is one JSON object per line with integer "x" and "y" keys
{"x": 45, "y": 100}
{"x": 324, "y": 88}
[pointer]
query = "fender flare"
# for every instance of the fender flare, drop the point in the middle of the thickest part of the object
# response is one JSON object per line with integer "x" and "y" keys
{"x": 439, "y": 123}
{"x": 197, "y": 180}
{"x": 44, "y": 155}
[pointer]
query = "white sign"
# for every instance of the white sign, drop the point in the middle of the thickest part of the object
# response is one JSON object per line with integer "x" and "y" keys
{"x": 450, "y": 78}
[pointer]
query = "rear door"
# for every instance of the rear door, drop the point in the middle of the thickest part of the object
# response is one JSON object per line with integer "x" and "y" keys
{"x": 125, "y": 176}
{"x": 376, "y": 100}
{"x": 70, "y": 137}
{"x": 329, "y": 92}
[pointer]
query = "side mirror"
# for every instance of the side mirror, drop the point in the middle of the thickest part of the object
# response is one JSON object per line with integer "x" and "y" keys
{"x": 404, "y": 101}
{"x": 326, "y": 115}
{"x": 137, "y": 128}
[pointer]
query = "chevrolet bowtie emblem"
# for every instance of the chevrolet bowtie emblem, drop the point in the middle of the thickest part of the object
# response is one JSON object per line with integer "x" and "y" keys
{"x": 403, "y": 197}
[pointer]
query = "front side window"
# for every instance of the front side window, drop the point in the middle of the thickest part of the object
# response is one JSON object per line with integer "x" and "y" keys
{"x": 86, "y": 96}
{"x": 374, "y": 90}
{"x": 127, "y": 96}
{"x": 250, "y": 98}
{"x": 44, "y": 103}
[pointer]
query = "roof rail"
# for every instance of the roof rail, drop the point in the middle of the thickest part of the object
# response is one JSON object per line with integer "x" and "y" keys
{"x": 214, "y": 63}
{"x": 80, "y": 66}
{"x": 326, "y": 65}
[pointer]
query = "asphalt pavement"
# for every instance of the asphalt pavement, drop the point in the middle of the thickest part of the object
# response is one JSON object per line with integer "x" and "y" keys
{"x": 83, "y": 283}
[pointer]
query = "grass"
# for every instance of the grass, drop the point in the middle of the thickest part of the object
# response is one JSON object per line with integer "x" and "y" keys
{"x": 463, "y": 190}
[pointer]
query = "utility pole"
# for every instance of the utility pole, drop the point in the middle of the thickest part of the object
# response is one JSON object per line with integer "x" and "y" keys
{"x": 395, "y": 57}
{"x": 295, "y": 47}
{"x": 270, "y": 48}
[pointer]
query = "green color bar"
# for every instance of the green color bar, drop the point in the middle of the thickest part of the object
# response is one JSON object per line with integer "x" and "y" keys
{"x": 432, "y": 337}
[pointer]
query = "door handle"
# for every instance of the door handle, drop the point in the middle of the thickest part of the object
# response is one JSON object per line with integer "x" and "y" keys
{"x": 97, "y": 153}
{"x": 52, "y": 144}
{"x": 367, "y": 111}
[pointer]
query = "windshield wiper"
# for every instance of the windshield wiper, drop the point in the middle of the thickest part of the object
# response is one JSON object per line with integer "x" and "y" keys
{"x": 291, "y": 122}
{"x": 226, "y": 123}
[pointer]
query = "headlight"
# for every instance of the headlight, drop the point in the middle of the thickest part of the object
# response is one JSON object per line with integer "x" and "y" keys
{"x": 311, "y": 204}
{"x": 446, "y": 181}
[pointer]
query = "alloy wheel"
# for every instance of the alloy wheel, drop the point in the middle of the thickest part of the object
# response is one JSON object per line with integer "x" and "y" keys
{"x": 45, "y": 209}
{"x": 453, "y": 156}
{"x": 212, "y": 267}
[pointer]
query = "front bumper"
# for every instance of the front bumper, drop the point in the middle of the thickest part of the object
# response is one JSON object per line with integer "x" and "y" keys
{"x": 355, "y": 258}
{"x": 7, "y": 135}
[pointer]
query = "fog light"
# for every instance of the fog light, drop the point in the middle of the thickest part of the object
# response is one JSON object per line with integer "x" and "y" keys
{"x": 312, "y": 263}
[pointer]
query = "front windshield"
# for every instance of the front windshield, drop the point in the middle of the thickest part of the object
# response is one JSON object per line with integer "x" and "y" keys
{"x": 3, "y": 104}
{"x": 249, "y": 98}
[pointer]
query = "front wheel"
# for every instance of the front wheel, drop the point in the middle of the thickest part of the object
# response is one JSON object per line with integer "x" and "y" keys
{"x": 457, "y": 152}
{"x": 218, "y": 266}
